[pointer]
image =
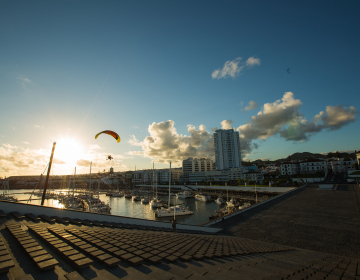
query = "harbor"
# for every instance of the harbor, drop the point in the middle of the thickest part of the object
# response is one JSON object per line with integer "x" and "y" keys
{"x": 118, "y": 204}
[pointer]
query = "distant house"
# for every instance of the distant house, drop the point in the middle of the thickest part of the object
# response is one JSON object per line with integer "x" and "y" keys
{"x": 289, "y": 168}
{"x": 313, "y": 166}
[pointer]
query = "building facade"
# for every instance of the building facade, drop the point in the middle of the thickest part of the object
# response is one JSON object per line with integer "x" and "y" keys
{"x": 197, "y": 165}
{"x": 227, "y": 149}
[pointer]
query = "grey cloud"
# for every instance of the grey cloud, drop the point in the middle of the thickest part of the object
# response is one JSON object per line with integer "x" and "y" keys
{"x": 284, "y": 119}
{"x": 252, "y": 105}
{"x": 337, "y": 116}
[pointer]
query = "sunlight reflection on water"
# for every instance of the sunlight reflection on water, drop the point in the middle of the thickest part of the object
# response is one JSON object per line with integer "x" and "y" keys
{"x": 121, "y": 206}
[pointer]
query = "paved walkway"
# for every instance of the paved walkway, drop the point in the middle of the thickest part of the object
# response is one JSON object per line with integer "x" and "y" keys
{"x": 320, "y": 220}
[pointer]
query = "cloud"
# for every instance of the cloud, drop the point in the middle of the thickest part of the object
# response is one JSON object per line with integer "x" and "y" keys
{"x": 18, "y": 160}
{"x": 133, "y": 141}
{"x": 252, "y": 105}
{"x": 226, "y": 124}
{"x": 83, "y": 163}
{"x": 24, "y": 81}
{"x": 58, "y": 161}
{"x": 234, "y": 67}
{"x": 335, "y": 117}
{"x": 38, "y": 126}
{"x": 25, "y": 142}
{"x": 252, "y": 61}
{"x": 284, "y": 119}
{"x": 164, "y": 143}
{"x": 94, "y": 147}
{"x": 136, "y": 153}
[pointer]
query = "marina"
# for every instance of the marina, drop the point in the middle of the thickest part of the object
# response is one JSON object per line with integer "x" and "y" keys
{"x": 140, "y": 206}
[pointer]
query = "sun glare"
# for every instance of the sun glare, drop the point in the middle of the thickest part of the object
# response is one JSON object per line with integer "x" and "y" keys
{"x": 67, "y": 152}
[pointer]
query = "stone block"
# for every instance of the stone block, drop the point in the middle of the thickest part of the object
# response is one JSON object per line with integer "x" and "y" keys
{"x": 5, "y": 266}
{"x": 73, "y": 276}
{"x": 127, "y": 256}
{"x": 42, "y": 258}
{"x": 96, "y": 253}
{"x": 154, "y": 259}
{"x": 60, "y": 245}
{"x": 76, "y": 257}
{"x": 90, "y": 249}
{"x": 171, "y": 258}
{"x": 65, "y": 248}
{"x": 3, "y": 252}
{"x": 185, "y": 258}
{"x": 135, "y": 260}
{"x": 70, "y": 252}
{"x": 33, "y": 249}
{"x": 112, "y": 262}
{"x": 47, "y": 265}
{"x": 83, "y": 263}
{"x": 103, "y": 257}
{"x": 4, "y": 258}
{"x": 37, "y": 253}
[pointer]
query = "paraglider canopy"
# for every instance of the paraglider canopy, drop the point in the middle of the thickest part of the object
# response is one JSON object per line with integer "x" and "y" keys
{"x": 110, "y": 132}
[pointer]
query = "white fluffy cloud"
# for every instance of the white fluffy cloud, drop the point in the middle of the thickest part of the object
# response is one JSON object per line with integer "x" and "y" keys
{"x": 164, "y": 143}
{"x": 226, "y": 124}
{"x": 18, "y": 160}
{"x": 252, "y": 61}
{"x": 284, "y": 119}
{"x": 252, "y": 105}
{"x": 234, "y": 67}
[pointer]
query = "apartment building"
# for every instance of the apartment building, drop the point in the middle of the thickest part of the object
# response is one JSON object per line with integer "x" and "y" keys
{"x": 227, "y": 149}
{"x": 197, "y": 165}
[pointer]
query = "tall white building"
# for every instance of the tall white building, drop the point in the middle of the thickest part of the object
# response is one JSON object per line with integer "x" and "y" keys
{"x": 227, "y": 149}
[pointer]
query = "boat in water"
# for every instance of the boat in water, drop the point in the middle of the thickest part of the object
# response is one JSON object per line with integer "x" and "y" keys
{"x": 244, "y": 206}
{"x": 179, "y": 211}
{"x": 156, "y": 203}
{"x": 203, "y": 197}
{"x": 184, "y": 194}
{"x": 220, "y": 200}
{"x": 231, "y": 202}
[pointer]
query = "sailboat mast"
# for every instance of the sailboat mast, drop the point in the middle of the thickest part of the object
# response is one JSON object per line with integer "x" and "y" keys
{"x": 74, "y": 184}
{"x": 169, "y": 182}
{"x": 227, "y": 192}
{"x": 90, "y": 189}
{"x": 48, "y": 173}
{"x": 153, "y": 181}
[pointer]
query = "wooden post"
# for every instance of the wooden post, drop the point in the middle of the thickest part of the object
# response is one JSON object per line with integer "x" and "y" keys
{"x": 48, "y": 173}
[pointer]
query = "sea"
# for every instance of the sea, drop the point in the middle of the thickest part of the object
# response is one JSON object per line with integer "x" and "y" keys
{"x": 121, "y": 206}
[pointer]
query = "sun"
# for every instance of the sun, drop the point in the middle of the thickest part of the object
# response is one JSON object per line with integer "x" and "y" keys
{"x": 68, "y": 151}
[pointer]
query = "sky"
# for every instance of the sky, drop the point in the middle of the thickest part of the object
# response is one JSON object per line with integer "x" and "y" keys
{"x": 166, "y": 74}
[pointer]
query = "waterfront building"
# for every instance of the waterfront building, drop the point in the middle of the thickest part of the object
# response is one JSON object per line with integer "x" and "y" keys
{"x": 289, "y": 168}
{"x": 227, "y": 149}
{"x": 312, "y": 166}
{"x": 208, "y": 176}
{"x": 252, "y": 176}
{"x": 197, "y": 165}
